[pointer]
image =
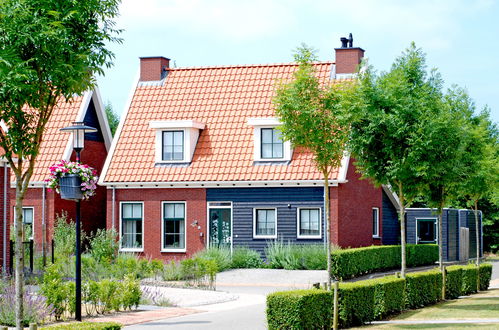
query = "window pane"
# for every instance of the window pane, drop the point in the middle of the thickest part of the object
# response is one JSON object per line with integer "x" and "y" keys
{"x": 27, "y": 215}
{"x": 127, "y": 210}
{"x": 137, "y": 211}
{"x": 266, "y": 150}
{"x": 167, "y": 138}
{"x": 305, "y": 219}
{"x": 277, "y": 151}
{"x": 131, "y": 225}
{"x": 265, "y": 222}
{"x": 174, "y": 226}
{"x": 277, "y": 136}
{"x": 310, "y": 222}
{"x": 178, "y": 153}
{"x": 375, "y": 222}
{"x": 178, "y": 138}
{"x": 169, "y": 210}
{"x": 179, "y": 210}
{"x": 266, "y": 135}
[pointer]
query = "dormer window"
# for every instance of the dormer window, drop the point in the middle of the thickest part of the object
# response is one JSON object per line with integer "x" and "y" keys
{"x": 176, "y": 140}
{"x": 269, "y": 145}
{"x": 173, "y": 145}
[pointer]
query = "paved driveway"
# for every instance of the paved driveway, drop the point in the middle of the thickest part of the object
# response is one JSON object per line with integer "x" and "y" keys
{"x": 248, "y": 311}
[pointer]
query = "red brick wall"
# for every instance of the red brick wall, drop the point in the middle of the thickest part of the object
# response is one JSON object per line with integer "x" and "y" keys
{"x": 151, "y": 68}
{"x": 355, "y": 200}
{"x": 93, "y": 211}
{"x": 4, "y": 192}
{"x": 195, "y": 211}
{"x": 348, "y": 59}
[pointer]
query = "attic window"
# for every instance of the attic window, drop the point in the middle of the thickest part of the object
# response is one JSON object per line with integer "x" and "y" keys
{"x": 268, "y": 142}
{"x": 175, "y": 140}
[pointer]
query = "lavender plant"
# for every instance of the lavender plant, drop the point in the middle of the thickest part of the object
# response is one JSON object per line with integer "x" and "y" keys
{"x": 36, "y": 308}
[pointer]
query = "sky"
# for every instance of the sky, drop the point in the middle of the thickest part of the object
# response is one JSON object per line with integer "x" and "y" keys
{"x": 459, "y": 37}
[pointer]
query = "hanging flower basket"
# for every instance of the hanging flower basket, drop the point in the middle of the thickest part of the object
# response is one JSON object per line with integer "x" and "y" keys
{"x": 74, "y": 181}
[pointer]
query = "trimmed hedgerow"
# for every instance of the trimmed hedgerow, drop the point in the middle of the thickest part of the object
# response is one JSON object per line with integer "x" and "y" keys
{"x": 369, "y": 300}
{"x": 469, "y": 274}
{"x": 423, "y": 288}
{"x": 485, "y": 274}
{"x": 350, "y": 263}
{"x": 453, "y": 282}
{"x": 300, "y": 309}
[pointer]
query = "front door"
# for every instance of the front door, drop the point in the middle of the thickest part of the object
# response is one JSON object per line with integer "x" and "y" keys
{"x": 220, "y": 227}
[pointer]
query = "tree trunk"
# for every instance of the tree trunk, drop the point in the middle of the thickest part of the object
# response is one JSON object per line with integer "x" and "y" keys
{"x": 402, "y": 231}
{"x": 19, "y": 253}
{"x": 328, "y": 227}
{"x": 477, "y": 229}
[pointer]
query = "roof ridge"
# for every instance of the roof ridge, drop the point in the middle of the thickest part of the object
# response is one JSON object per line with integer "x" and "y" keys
{"x": 244, "y": 66}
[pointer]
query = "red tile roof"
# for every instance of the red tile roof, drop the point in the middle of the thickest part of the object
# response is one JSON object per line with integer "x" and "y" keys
{"x": 54, "y": 141}
{"x": 223, "y": 98}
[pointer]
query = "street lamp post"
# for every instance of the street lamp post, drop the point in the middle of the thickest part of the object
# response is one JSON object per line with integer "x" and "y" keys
{"x": 78, "y": 129}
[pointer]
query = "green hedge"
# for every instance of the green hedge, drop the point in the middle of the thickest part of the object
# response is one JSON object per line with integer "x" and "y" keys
{"x": 350, "y": 263}
{"x": 485, "y": 274}
{"x": 86, "y": 326}
{"x": 369, "y": 300}
{"x": 470, "y": 278}
{"x": 423, "y": 288}
{"x": 300, "y": 309}
{"x": 453, "y": 282}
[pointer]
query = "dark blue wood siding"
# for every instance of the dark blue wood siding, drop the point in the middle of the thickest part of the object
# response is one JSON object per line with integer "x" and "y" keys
{"x": 285, "y": 200}
{"x": 453, "y": 235}
{"x": 92, "y": 120}
{"x": 390, "y": 223}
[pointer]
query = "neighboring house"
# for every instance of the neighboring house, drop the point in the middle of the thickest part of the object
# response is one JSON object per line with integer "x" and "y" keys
{"x": 198, "y": 161}
{"x": 458, "y": 231}
{"x": 41, "y": 205}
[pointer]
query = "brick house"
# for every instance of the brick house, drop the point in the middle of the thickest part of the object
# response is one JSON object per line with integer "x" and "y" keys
{"x": 198, "y": 161}
{"x": 41, "y": 206}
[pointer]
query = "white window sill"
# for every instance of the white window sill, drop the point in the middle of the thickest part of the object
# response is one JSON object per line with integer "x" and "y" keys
{"x": 173, "y": 250}
{"x": 265, "y": 237}
{"x": 309, "y": 237}
{"x": 131, "y": 250}
{"x": 376, "y": 236}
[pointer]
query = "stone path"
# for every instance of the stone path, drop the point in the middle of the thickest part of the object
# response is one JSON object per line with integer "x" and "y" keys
{"x": 137, "y": 317}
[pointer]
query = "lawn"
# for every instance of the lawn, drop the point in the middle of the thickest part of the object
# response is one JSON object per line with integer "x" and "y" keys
{"x": 484, "y": 305}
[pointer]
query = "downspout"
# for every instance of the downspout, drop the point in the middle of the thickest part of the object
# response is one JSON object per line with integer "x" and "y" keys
{"x": 113, "y": 208}
{"x": 44, "y": 226}
{"x": 5, "y": 210}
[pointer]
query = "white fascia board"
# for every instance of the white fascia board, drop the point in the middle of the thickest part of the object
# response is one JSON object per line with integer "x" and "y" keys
{"x": 165, "y": 124}
{"x": 342, "y": 175}
{"x": 220, "y": 184}
{"x": 101, "y": 115}
{"x": 119, "y": 129}
{"x": 264, "y": 122}
{"x": 392, "y": 196}
{"x": 79, "y": 117}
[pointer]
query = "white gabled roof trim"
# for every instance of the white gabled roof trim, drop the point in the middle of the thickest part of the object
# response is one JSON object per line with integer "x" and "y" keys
{"x": 119, "y": 129}
{"x": 392, "y": 196}
{"x": 342, "y": 175}
{"x": 264, "y": 122}
{"x": 159, "y": 124}
{"x": 220, "y": 184}
{"x": 101, "y": 115}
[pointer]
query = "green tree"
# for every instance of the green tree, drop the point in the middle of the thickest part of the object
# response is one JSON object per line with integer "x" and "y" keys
{"x": 313, "y": 116}
{"x": 50, "y": 50}
{"x": 112, "y": 118}
{"x": 481, "y": 163}
{"x": 388, "y": 131}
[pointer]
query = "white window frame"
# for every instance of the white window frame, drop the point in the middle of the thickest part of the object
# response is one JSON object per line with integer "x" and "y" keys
{"x": 173, "y": 153}
{"x": 255, "y": 235}
{"x": 191, "y": 130}
{"x": 258, "y": 124}
{"x": 435, "y": 220}
{"x": 376, "y": 235}
{"x": 32, "y": 223}
{"x": 121, "y": 225}
{"x": 298, "y": 235}
{"x": 179, "y": 250}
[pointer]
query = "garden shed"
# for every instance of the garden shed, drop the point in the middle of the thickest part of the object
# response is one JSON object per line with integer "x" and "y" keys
{"x": 458, "y": 231}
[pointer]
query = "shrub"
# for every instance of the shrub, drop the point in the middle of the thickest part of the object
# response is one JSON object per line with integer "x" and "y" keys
{"x": 470, "y": 278}
{"x": 220, "y": 255}
{"x": 300, "y": 309}
{"x": 86, "y": 326}
{"x": 104, "y": 245}
{"x": 423, "y": 288}
{"x": 350, "y": 263}
{"x": 64, "y": 237}
{"x": 55, "y": 290}
{"x": 453, "y": 282}
{"x": 356, "y": 303}
{"x": 199, "y": 271}
{"x": 296, "y": 256}
{"x": 172, "y": 271}
{"x": 485, "y": 273}
{"x": 36, "y": 308}
{"x": 389, "y": 296}
{"x": 243, "y": 257}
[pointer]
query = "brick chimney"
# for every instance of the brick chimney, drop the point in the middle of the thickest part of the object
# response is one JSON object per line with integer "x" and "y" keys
{"x": 153, "y": 68}
{"x": 348, "y": 57}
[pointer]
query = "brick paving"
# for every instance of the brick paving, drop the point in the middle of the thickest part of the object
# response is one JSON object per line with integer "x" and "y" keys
{"x": 137, "y": 317}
